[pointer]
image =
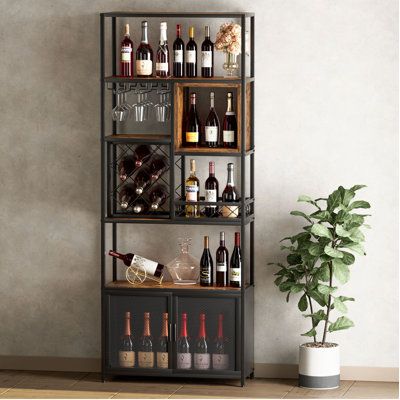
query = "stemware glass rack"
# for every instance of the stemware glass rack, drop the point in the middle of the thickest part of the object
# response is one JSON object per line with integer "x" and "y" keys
{"x": 117, "y": 140}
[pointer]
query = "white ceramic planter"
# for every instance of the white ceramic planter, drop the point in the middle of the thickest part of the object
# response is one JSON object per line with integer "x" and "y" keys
{"x": 319, "y": 367}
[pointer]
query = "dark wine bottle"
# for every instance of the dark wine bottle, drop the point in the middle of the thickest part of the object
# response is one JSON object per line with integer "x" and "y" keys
{"x": 184, "y": 357}
{"x": 230, "y": 195}
{"x": 206, "y": 265}
{"x": 145, "y": 347}
{"x": 158, "y": 197}
{"x": 126, "y": 64}
{"x": 191, "y": 55}
{"x": 126, "y": 354}
{"x": 207, "y": 56}
{"x": 229, "y": 126}
{"x": 140, "y": 207}
{"x": 144, "y": 55}
{"x": 162, "y": 350}
{"x": 202, "y": 359}
{"x": 235, "y": 268}
{"x": 212, "y": 126}
{"x": 220, "y": 356}
{"x": 221, "y": 260}
{"x": 126, "y": 195}
{"x": 142, "y": 154}
{"x": 126, "y": 167}
{"x": 212, "y": 191}
{"x": 162, "y": 63}
{"x": 158, "y": 166}
{"x": 142, "y": 180}
{"x": 193, "y": 127}
{"x": 178, "y": 66}
{"x": 151, "y": 267}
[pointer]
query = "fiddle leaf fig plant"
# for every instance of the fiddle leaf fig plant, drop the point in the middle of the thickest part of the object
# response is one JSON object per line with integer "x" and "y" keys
{"x": 320, "y": 257}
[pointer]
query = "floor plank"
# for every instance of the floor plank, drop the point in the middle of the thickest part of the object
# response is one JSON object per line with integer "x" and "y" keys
{"x": 373, "y": 390}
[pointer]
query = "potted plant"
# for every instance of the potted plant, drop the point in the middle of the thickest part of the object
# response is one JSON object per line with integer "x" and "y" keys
{"x": 319, "y": 260}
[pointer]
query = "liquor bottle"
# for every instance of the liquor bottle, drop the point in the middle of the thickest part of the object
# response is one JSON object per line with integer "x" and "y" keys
{"x": 151, "y": 267}
{"x": 192, "y": 188}
{"x": 126, "y": 64}
{"x": 184, "y": 357}
{"x": 145, "y": 348}
{"x": 142, "y": 180}
{"x": 144, "y": 55}
{"x": 221, "y": 260}
{"x": 142, "y": 154}
{"x": 126, "y": 167}
{"x": 179, "y": 52}
{"x": 162, "y": 350}
{"x": 235, "y": 268}
{"x": 229, "y": 126}
{"x": 212, "y": 191}
{"x": 158, "y": 166}
{"x": 230, "y": 195}
{"x": 201, "y": 355}
{"x": 127, "y": 195}
{"x": 126, "y": 354}
{"x": 212, "y": 126}
{"x": 192, "y": 132}
{"x": 158, "y": 197}
{"x": 191, "y": 55}
{"x": 207, "y": 56}
{"x": 140, "y": 207}
{"x": 206, "y": 265}
{"x": 162, "y": 63}
{"x": 220, "y": 357}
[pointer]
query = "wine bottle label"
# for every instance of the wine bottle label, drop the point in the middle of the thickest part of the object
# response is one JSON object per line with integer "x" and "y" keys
{"x": 211, "y": 133}
{"x": 230, "y": 211}
{"x": 220, "y": 361}
{"x": 126, "y": 359}
{"x": 202, "y": 361}
{"x": 206, "y": 59}
{"x": 205, "y": 276}
{"x": 146, "y": 359}
{"x": 192, "y": 137}
{"x": 162, "y": 67}
{"x": 211, "y": 195}
{"x": 230, "y": 113}
{"x": 149, "y": 266}
{"x": 234, "y": 274}
{"x": 184, "y": 360}
{"x": 221, "y": 267}
{"x": 144, "y": 67}
{"x": 229, "y": 136}
{"x": 178, "y": 56}
{"x": 162, "y": 360}
{"x": 126, "y": 53}
{"x": 190, "y": 56}
{"x": 191, "y": 192}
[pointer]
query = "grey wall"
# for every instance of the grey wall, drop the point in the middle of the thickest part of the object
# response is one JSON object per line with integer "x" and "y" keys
{"x": 326, "y": 115}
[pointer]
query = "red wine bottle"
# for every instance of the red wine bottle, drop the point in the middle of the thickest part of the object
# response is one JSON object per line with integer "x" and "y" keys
{"x": 158, "y": 197}
{"x": 212, "y": 191}
{"x": 206, "y": 265}
{"x": 191, "y": 55}
{"x": 184, "y": 357}
{"x": 230, "y": 195}
{"x": 229, "y": 126}
{"x": 126, "y": 167}
{"x": 222, "y": 259}
{"x": 212, "y": 126}
{"x": 207, "y": 56}
{"x": 179, "y": 53}
{"x": 151, "y": 267}
{"x": 126, "y": 353}
{"x": 126, "y": 64}
{"x": 142, "y": 154}
{"x": 202, "y": 359}
{"x": 140, "y": 207}
{"x": 162, "y": 348}
{"x": 142, "y": 180}
{"x": 193, "y": 127}
{"x": 162, "y": 63}
{"x": 144, "y": 55}
{"x": 220, "y": 356}
{"x": 145, "y": 347}
{"x": 158, "y": 166}
{"x": 127, "y": 195}
{"x": 235, "y": 268}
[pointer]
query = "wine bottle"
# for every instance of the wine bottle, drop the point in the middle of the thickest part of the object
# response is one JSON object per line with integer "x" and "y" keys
{"x": 220, "y": 357}
{"x": 229, "y": 126}
{"x": 145, "y": 348}
{"x": 127, "y": 195}
{"x": 162, "y": 350}
{"x": 207, "y": 56}
{"x": 201, "y": 355}
{"x": 126, "y": 354}
{"x": 126, "y": 64}
{"x": 142, "y": 154}
{"x": 235, "y": 268}
{"x": 212, "y": 126}
{"x": 158, "y": 197}
{"x": 162, "y": 64}
{"x": 126, "y": 167}
{"x": 144, "y": 55}
{"x": 179, "y": 52}
{"x": 206, "y": 265}
{"x": 142, "y": 180}
{"x": 192, "y": 188}
{"x": 211, "y": 192}
{"x": 230, "y": 195}
{"x": 157, "y": 167}
{"x": 140, "y": 206}
{"x": 221, "y": 260}
{"x": 184, "y": 357}
{"x": 191, "y": 55}
{"x": 151, "y": 267}
{"x": 193, "y": 127}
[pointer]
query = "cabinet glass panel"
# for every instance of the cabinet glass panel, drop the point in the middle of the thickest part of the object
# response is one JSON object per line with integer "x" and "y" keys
{"x": 206, "y": 334}
{"x": 138, "y": 332}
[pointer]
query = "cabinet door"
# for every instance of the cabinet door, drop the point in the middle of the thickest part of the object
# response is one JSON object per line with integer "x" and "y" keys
{"x": 207, "y": 334}
{"x": 146, "y": 349}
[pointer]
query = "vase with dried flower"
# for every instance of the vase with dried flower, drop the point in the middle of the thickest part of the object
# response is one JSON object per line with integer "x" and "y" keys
{"x": 229, "y": 41}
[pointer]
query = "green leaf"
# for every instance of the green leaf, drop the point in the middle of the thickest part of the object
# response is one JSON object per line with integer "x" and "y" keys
{"x": 321, "y": 215}
{"x": 331, "y": 252}
{"x": 302, "y": 305}
{"x": 348, "y": 258}
{"x": 358, "y": 204}
{"x": 341, "y": 232}
{"x": 285, "y": 238}
{"x": 318, "y": 297}
{"x": 315, "y": 249}
{"x": 344, "y": 298}
{"x": 347, "y": 195}
{"x": 321, "y": 231}
{"x": 340, "y": 324}
{"x": 339, "y": 305}
{"x": 340, "y": 271}
{"x": 293, "y": 259}
{"x": 298, "y": 287}
{"x": 317, "y": 316}
{"x": 357, "y": 236}
{"x": 304, "y": 198}
{"x": 300, "y": 214}
{"x": 285, "y": 286}
{"x": 334, "y": 200}
{"x": 323, "y": 273}
{"x": 278, "y": 280}
{"x": 287, "y": 297}
{"x": 357, "y": 187}
{"x": 356, "y": 247}
{"x": 325, "y": 289}
{"x": 310, "y": 333}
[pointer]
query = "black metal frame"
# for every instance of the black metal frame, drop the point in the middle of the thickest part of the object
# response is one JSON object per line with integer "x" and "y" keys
{"x": 244, "y": 313}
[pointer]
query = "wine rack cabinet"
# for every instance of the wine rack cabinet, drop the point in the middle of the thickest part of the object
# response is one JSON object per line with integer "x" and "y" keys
{"x": 121, "y": 139}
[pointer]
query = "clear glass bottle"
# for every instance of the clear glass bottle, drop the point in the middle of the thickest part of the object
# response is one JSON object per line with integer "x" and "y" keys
{"x": 192, "y": 188}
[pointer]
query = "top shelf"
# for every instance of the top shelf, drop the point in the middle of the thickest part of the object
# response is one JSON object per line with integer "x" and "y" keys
{"x": 126, "y": 14}
{"x": 215, "y": 79}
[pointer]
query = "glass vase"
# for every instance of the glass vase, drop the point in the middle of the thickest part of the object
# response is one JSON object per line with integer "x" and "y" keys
{"x": 230, "y": 65}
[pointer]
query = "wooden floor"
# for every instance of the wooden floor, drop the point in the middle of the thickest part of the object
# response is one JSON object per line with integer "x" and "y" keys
{"x": 23, "y": 384}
